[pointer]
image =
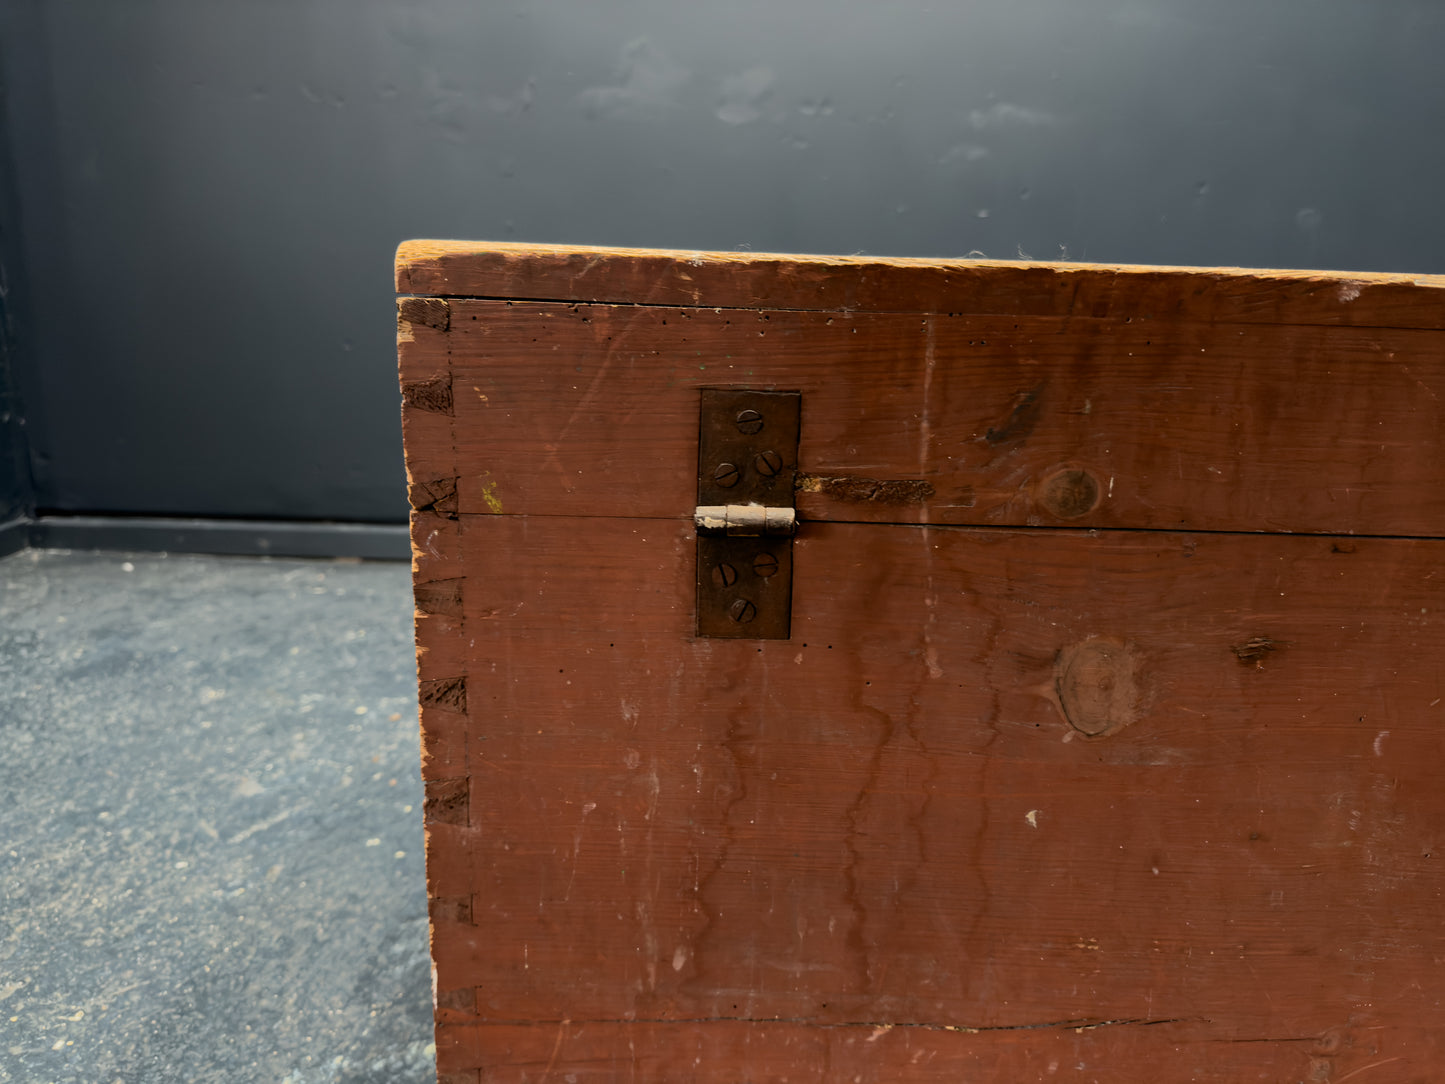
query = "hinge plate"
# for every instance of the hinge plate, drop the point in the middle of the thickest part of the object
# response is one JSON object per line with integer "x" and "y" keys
{"x": 747, "y": 460}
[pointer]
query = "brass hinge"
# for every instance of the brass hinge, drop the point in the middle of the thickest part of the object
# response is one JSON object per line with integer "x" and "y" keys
{"x": 747, "y": 460}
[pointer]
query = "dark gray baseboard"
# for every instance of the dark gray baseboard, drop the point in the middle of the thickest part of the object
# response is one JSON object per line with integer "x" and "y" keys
{"x": 251, "y": 538}
{"x": 14, "y": 536}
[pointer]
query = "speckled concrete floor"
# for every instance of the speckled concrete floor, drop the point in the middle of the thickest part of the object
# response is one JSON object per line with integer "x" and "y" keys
{"x": 210, "y": 822}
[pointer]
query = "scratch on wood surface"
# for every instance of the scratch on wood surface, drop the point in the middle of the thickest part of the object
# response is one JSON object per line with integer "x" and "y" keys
{"x": 1366, "y": 1068}
{"x": 597, "y": 385}
{"x": 847, "y": 487}
{"x": 556, "y": 1048}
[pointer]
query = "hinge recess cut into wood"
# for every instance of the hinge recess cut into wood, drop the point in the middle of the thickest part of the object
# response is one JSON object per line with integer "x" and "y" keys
{"x": 747, "y": 460}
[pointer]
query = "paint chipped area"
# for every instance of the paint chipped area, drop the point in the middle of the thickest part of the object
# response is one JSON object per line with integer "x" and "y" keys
{"x": 855, "y": 489}
{"x": 1348, "y": 291}
{"x": 1255, "y": 650}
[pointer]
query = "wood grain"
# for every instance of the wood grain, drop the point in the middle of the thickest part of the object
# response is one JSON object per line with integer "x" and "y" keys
{"x": 871, "y": 284}
{"x": 760, "y": 853}
{"x": 583, "y": 410}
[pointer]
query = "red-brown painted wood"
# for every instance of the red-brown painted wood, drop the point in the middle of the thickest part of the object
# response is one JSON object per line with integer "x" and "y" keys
{"x": 592, "y": 410}
{"x": 891, "y": 820}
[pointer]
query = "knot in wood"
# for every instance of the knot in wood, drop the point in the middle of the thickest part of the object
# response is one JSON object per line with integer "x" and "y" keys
{"x": 1069, "y": 494}
{"x": 1098, "y": 685}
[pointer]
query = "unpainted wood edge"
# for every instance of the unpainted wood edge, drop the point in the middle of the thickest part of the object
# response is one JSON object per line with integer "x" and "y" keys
{"x": 419, "y": 258}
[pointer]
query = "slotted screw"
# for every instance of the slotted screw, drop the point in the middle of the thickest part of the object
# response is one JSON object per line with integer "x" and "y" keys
{"x": 749, "y": 422}
{"x": 765, "y": 565}
{"x": 742, "y": 611}
{"x": 768, "y": 463}
{"x": 724, "y": 575}
{"x": 726, "y": 475}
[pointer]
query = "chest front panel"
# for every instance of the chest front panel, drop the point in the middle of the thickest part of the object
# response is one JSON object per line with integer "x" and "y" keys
{"x": 1104, "y": 737}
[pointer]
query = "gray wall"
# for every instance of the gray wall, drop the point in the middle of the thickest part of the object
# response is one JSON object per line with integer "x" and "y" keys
{"x": 15, "y": 495}
{"x": 212, "y": 189}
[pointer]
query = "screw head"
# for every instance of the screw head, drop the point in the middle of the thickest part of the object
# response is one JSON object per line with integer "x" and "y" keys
{"x": 742, "y": 611}
{"x": 768, "y": 463}
{"x": 765, "y": 565}
{"x": 724, "y": 575}
{"x": 749, "y": 422}
{"x": 726, "y": 475}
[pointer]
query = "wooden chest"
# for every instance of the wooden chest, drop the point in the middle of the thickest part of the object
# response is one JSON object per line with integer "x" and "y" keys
{"x": 1089, "y": 727}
